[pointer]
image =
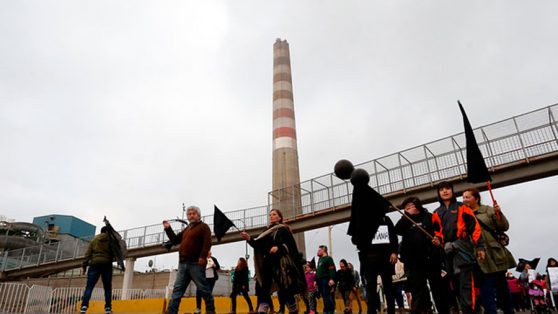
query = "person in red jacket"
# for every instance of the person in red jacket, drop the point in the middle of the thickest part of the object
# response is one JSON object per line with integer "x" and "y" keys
{"x": 458, "y": 232}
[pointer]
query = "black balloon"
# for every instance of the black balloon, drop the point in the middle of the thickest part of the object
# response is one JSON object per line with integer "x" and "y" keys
{"x": 360, "y": 177}
{"x": 343, "y": 169}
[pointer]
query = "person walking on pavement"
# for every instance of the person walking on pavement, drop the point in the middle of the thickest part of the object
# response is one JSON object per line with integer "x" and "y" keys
{"x": 211, "y": 275}
{"x": 325, "y": 279}
{"x": 195, "y": 243}
{"x": 240, "y": 281}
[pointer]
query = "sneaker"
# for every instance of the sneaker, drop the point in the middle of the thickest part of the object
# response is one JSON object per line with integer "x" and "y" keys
{"x": 83, "y": 310}
{"x": 197, "y": 311}
{"x": 108, "y": 310}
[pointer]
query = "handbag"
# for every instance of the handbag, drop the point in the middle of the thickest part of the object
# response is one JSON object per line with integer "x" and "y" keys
{"x": 501, "y": 237}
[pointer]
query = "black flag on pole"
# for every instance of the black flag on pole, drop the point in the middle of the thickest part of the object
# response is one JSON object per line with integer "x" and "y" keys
{"x": 117, "y": 245}
{"x": 476, "y": 167}
{"x": 312, "y": 263}
{"x": 220, "y": 223}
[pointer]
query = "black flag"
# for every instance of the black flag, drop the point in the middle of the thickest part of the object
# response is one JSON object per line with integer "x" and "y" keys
{"x": 220, "y": 223}
{"x": 312, "y": 263}
{"x": 476, "y": 168}
{"x": 117, "y": 245}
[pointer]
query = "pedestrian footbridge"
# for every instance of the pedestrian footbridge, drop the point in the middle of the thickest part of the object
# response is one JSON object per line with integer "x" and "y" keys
{"x": 517, "y": 149}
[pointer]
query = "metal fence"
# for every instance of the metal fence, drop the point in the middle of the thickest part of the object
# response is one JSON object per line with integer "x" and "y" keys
{"x": 519, "y": 138}
{"x": 20, "y": 298}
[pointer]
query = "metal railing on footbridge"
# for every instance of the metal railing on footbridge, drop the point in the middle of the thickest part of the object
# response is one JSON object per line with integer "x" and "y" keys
{"x": 519, "y": 138}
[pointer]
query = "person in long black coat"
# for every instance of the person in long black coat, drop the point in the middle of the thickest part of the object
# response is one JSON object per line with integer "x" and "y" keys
{"x": 277, "y": 261}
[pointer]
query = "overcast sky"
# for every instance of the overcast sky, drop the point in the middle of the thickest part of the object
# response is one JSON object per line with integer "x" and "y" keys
{"x": 130, "y": 108}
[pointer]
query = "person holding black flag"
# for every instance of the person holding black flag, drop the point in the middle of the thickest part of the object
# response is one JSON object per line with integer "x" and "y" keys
{"x": 492, "y": 275}
{"x": 423, "y": 260}
{"x": 195, "y": 243}
{"x": 277, "y": 261}
{"x": 374, "y": 235}
{"x": 98, "y": 258}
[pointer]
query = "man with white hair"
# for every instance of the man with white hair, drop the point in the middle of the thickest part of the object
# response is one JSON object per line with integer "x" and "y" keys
{"x": 195, "y": 243}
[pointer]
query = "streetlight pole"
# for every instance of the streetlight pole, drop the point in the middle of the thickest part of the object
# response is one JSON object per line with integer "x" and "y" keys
{"x": 330, "y": 242}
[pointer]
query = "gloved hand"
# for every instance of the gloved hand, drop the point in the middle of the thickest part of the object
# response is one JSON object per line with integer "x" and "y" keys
{"x": 449, "y": 247}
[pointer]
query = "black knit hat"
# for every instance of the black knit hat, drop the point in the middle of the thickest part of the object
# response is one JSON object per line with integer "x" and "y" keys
{"x": 415, "y": 200}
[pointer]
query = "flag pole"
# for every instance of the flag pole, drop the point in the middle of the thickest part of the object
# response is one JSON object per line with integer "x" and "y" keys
{"x": 494, "y": 203}
{"x": 412, "y": 221}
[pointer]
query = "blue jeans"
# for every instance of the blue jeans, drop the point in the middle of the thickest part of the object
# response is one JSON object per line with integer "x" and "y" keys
{"x": 325, "y": 291}
{"x": 210, "y": 284}
{"x": 93, "y": 273}
{"x": 187, "y": 272}
{"x": 495, "y": 287}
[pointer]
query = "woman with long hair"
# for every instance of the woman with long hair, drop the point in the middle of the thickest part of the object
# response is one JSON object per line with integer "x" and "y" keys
{"x": 277, "y": 261}
{"x": 240, "y": 283}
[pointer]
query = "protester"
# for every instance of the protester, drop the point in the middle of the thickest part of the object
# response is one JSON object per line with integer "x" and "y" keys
{"x": 311, "y": 291}
{"x": 345, "y": 284}
{"x": 423, "y": 260}
{"x": 355, "y": 291}
{"x": 379, "y": 258}
{"x": 211, "y": 276}
{"x": 99, "y": 259}
{"x": 553, "y": 265}
{"x": 325, "y": 279}
{"x": 525, "y": 280}
{"x": 195, "y": 243}
{"x": 492, "y": 277}
{"x": 240, "y": 284}
{"x": 516, "y": 290}
{"x": 399, "y": 280}
{"x": 458, "y": 231}
{"x": 374, "y": 236}
{"x": 277, "y": 260}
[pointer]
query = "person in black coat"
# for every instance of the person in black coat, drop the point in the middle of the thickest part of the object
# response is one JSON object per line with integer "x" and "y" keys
{"x": 240, "y": 284}
{"x": 277, "y": 262}
{"x": 422, "y": 259}
{"x": 345, "y": 283}
{"x": 374, "y": 236}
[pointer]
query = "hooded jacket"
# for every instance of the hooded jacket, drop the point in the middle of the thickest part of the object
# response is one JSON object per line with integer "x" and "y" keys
{"x": 98, "y": 251}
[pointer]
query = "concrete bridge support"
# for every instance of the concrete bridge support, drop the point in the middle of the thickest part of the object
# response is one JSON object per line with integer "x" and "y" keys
{"x": 128, "y": 277}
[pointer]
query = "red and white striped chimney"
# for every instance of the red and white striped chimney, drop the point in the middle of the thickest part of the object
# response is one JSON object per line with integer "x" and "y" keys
{"x": 286, "y": 177}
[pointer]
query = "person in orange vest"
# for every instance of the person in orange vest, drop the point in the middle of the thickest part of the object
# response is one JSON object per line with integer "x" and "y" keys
{"x": 459, "y": 233}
